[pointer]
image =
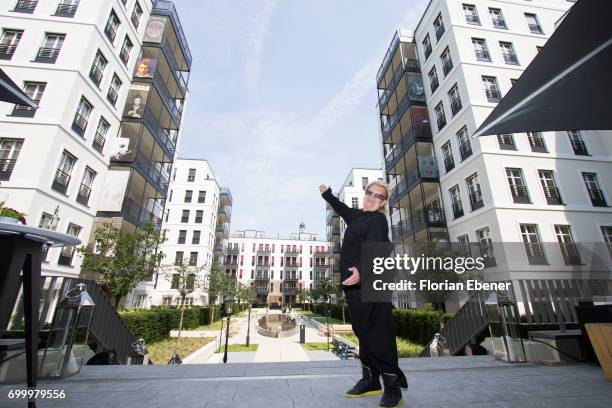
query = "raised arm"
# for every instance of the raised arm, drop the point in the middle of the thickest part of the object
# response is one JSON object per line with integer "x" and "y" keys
{"x": 343, "y": 210}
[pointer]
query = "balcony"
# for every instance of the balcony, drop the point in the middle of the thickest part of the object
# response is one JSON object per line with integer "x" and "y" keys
{"x": 232, "y": 250}
{"x": 535, "y": 253}
{"x": 291, "y": 252}
{"x": 165, "y": 7}
{"x": 449, "y": 162}
{"x": 410, "y": 181}
{"x": 519, "y": 194}
{"x": 6, "y": 168}
{"x": 447, "y": 66}
{"x": 96, "y": 75}
{"x": 262, "y": 277}
{"x": 219, "y": 247}
{"x": 321, "y": 267}
{"x": 169, "y": 101}
{"x": 597, "y": 197}
{"x": 413, "y": 135}
{"x": 231, "y": 263}
{"x": 393, "y": 119}
{"x": 482, "y": 55}
{"x": 138, "y": 215}
{"x": 222, "y": 227}
{"x": 262, "y": 290}
{"x": 111, "y": 32}
{"x": 165, "y": 137}
{"x": 290, "y": 290}
{"x": 152, "y": 172}
{"x": 465, "y": 150}
{"x": 439, "y": 31}
{"x": 24, "y": 111}
{"x": 476, "y": 200}
{"x": 66, "y": 9}
{"x": 570, "y": 254}
{"x": 552, "y": 195}
{"x": 47, "y": 55}
{"x": 25, "y": 6}
{"x": 291, "y": 265}
{"x": 79, "y": 124}
{"x": 498, "y": 22}
{"x": 510, "y": 59}
{"x": 431, "y": 217}
{"x": 7, "y": 51}
{"x": 457, "y": 209}
{"x": 455, "y": 105}
{"x": 579, "y": 147}
{"x": 60, "y": 181}
{"x": 291, "y": 277}
{"x": 83, "y": 195}
{"x": 98, "y": 142}
{"x": 264, "y": 251}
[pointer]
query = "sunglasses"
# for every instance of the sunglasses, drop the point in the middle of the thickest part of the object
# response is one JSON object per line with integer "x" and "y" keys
{"x": 381, "y": 197}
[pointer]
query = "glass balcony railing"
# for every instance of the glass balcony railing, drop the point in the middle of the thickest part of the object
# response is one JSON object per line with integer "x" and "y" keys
{"x": 413, "y": 135}
{"x": 390, "y": 121}
{"x": 165, "y": 137}
{"x": 165, "y": 7}
{"x": 137, "y": 215}
{"x": 152, "y": 173}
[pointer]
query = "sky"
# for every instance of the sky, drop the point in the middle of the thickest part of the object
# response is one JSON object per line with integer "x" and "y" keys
{"x": 282, "y": 98}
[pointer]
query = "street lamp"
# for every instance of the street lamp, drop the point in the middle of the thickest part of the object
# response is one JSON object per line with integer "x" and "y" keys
{"x": 327, "y": 313}
{"x": 248, "y": 327}
{"x": 227, "y": 305}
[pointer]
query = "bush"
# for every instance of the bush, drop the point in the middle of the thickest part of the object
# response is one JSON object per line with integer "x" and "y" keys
{"x": 155, "y": 324}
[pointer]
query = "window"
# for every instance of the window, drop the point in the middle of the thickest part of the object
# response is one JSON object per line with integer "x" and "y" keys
{"x": 433, "y": 79}
{"x": 199, "y": 216}
{"x": 549, "y": 185}
{"x": 533, "y": 23}
{"x": 440, "y": 117}
{"x": 473, "y": 186}
{"x": 191, "y": 176}
{"x": 112, "y": 25}
{"x": 86, "y": 186}
{"x": 81, "y": 117}
{"x": 471, "y": 17}
{"x": 491, "y": 89}
{"x": 97, "y": 68}
{"x": 569, "y": 250}
{"x": 50, "y": 49}
{"x": 456, "y": 202}
{"x": 9, "y": 152}
{"x": 575, "y": 138}
{"x": 455, "y": 99}
{"x": 136, "y": 14}
{"x": 518, "y": 189}
{"x": 513, "y": 81}
{"x": 176, "y": 279}
{"x": 185, "y": 216}
{"x": 533, "y": 245}
{"x": 439, "y": 26}
{"x": 355, "y": 202}
{"x": 178, "y": 258}
{"x": 126, "y": 48}
{"x": 486, "y": 246}
{"x": 480, "y": 49}
{"x": 508, "y": 53}
{"x": 447, "y": 62}
{"x": 536, "y": 141}
{"x": 100, "y": 137}
{"x": 606, "y": 232}
{"x": 67, "y": 253}
{"x": 427, "y": 46}
{"x": 497, "y": 18}
{"x": 193, "y": 258}
{"x": 188, "y": 196}
{"x": 35, "y": 91}
{"x": 25, "y": 6}
{"x": 447, "y": 152}
{"x": 201, "y": 196}
{"x": 61, "y": 180}
{"x": 506, "y": 141}
{"x": 195, "y": 239}
{"x": 595, "y": 193}
{"x": 113, "y": 90}
{"x": 465, "y": 147}
{"x": 364, "y": 183}
{"x": 9, "y": 42}
{"x": 67, "y": 8}
{"x": 182, "y": 236}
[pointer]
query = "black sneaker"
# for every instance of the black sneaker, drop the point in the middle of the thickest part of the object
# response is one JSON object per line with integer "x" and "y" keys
{"x": 392, "y": 397}
{"x": 367, "y": 385}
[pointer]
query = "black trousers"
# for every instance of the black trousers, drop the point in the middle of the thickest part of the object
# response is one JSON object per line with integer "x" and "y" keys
{"x": 373, "y": 325}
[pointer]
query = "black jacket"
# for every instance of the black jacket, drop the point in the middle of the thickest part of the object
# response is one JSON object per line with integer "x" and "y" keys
{"x": 362, "y": 226}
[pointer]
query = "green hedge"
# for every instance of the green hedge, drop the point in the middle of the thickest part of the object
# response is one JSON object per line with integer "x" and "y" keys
{"x": 415, "y": 325}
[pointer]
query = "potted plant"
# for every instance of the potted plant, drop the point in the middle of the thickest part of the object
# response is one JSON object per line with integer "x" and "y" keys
{"x": 11, "y": 216}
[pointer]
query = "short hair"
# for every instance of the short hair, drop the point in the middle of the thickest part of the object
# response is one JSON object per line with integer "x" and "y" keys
{"x": 384, "y": 185}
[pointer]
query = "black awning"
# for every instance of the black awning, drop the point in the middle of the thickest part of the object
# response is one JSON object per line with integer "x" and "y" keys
{"x": 568, "y": 85}
{"x": 10, "y": 92}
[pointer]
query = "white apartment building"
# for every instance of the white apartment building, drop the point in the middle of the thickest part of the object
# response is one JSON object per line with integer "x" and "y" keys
{"x": 277, "y": 267}
{"x": 532, "y": 188}
{"x": 188, "y": 225}
{"x": 75, "y": 60}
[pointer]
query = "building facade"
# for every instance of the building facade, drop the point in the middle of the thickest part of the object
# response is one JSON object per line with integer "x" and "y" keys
{"x": 75, "y": 60}
{"x": 278, "y": 268}
{"x": 189, "y": 229}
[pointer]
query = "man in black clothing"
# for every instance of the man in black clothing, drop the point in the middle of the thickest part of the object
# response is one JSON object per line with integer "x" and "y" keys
{"x": 372, "y": 322}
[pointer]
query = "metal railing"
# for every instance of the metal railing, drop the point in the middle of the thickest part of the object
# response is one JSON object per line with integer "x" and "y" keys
{"x": 465, "y": 150}
{"x": 439, "y": 31}
{"x": 138, "y": 215}
{"x": 440, "y": 120}
{"x": 552, "y": 195}
{"x": 98, "y": 142}
{"x": 166, "y": 7}
{"x": 476, "y": 200}
{"x": 493, "y": 95}
{"x": 535, "y": 28}
{"x": 79, "y": 124}
{"x": 60, "y": 181}
{"x": 579, "y": 147}
{"x": 112, "y": 95}
{"x": 7, "y": 51}
{"x": 66, "y": 9}
{"x": 434, "y": 83}
{"x": 535, "y": 253}
{"x": 83, "y": 194}
{"x": 160, "y": 134}
{"x": 95, "y": 74}
{"x": 472, "y": 19}
{"x": 597, "y": 197}
{"x": 428, "y": 51}
{"x": 152, "y": 172}
{"x": 519, "y": 193}
{"x": 6, "y": 168}
{"x": 570, "y": 254}
{"x": 25, "y": 6}
{"x": 457, "y": 209}
{"x": 47, "y": 55}
{"x": 447, "y": 65}
{"x": 111, "y": 32}
{"x": 482, "y": 55}
{"x": 498, "y": 22}
{"x": 510, "y": 58}
{"x": 455, "y": 105}
{"x": 449, "y": 162}
{"x": 124, "y": 54}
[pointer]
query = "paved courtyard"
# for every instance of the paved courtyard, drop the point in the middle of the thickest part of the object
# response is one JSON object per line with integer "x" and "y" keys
{"x": 478, "y": 382}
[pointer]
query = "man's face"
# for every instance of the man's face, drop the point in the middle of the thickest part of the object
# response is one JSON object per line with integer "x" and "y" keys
{"x": 372, "y": 199}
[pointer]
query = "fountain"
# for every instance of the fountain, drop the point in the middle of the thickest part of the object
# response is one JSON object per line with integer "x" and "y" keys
{"x": 277, "y": 325}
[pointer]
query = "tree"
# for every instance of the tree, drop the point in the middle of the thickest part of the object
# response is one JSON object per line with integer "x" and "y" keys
{"x": 122, "y": 259}
{"x": 218, "y": 284}
{"x": 184, "y": 278}
{"x": 340, "y": 298}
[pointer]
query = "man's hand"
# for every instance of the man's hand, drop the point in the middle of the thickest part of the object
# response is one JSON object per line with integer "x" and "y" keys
{"x": 354, "y": 278}
{"x": 323, "y": 188}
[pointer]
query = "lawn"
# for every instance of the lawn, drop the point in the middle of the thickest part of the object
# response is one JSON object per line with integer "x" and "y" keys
{"x": 239, "y": 347}
{"x": 317, "y": 346}
{"x": 216, "y": 325}
{"x": 161, "y": 351}
{"x": 322, "y": 319}
{"x": 405, "y": 348}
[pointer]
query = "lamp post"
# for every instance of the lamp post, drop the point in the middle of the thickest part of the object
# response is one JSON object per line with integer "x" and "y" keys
{"x": 248, "y": 327}
{"x": 228, "y": 312}
{"x": 327, "y": 313}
